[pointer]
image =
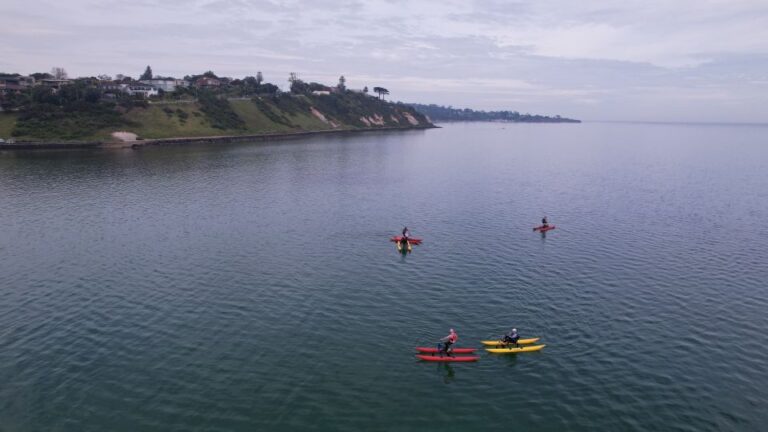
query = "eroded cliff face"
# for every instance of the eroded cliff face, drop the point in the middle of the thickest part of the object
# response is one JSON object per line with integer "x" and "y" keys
{"x": 357, "y": 110}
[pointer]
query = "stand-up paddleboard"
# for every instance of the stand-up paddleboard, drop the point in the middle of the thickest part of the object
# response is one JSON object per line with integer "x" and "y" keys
{"x": 410, "y": 239}
{"x": 544, "y": 229}
{"x": 436, "y": 358}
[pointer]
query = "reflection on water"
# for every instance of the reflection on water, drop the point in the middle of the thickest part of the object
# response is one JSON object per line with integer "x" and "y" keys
{"x": 447, "y": 373}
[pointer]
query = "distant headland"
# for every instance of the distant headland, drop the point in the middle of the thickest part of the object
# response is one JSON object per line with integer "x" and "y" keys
{"x": 442, "y": 113}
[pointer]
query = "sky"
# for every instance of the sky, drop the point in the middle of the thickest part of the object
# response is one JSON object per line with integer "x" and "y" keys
{"x": 650, "y": 60}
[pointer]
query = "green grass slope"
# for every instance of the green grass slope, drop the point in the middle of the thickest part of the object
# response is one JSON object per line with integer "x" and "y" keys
{"x": 7, "y": 124}
{"x": 214, "y": 116}
{"x": 171, "y": 120}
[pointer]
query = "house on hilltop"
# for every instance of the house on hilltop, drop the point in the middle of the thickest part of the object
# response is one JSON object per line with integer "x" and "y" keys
{"x": 208, "y": 82}
{"x": 166, "y": 84}
{"x": 111, "y": 86}
{"x": 55, "y": 83}
{"x": 10, "y": 84}
{"x": 138, "y": 89}
{"x": 15, "y": 83}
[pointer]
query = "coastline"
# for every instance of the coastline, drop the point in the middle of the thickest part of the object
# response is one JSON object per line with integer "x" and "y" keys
{"x": 264, "y": 137}
{"x": 566, "y": 121}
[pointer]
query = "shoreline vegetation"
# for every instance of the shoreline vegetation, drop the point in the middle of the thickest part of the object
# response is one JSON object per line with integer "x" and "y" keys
{"x": 443, "y": 113}
{"x": 47, "y": 111}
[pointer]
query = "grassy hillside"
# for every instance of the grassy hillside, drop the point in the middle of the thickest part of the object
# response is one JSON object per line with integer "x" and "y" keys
{"x": 266, "y": 115}
{"x": 172, "y": 120}
{"x": 7, "y": 123}
{"x": 215, "y": 116}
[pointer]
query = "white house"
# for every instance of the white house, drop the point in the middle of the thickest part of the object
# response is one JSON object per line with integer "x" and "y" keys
{"x": 165, "y": 84}
{"x": 144, "y": 90}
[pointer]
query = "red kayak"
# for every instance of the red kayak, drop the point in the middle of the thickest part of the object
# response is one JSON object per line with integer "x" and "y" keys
{"x": 426, "y": 350}
{"x": 543, "y": 228}
{"x": 410, "y": 239}
{"x": 435, "y": 358}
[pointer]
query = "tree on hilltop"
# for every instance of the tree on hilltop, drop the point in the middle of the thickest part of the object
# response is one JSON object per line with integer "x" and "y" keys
{"x": 147, "y": 75}
{"x": 297, "y": 86}
{"x": 342, "y": 83}
{"x": 381, "y": 91}
{"x": 250, "y": 85}
{"x": 59, "y": 73}
{"x": 268, "y": 88}
{"x": 259, "y": 78}
{"x": 41, "y": 75}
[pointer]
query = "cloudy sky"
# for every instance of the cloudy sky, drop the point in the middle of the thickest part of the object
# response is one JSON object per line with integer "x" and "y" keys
{"x": 649, "y": 60}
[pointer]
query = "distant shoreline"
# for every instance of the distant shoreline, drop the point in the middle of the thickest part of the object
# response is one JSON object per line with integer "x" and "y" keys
{"x": 569, "y": 121}
{"x": 682, "y": 123}
{"x": 265, "y": 137}
{"x": 449, "y": 113}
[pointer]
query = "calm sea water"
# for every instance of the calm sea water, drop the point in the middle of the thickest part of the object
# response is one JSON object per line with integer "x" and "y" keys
{"x": 252, "y": 287}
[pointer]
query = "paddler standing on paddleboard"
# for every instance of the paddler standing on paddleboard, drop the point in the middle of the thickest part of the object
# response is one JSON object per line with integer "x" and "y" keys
{"x": 444, "y": 347}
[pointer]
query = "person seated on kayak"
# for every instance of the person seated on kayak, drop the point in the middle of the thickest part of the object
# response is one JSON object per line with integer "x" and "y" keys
{"x": 406, "y": 233}
{"x": 544, "y": 223}
{"x": 511, "y": 338}
{"x": 444, "y": 347}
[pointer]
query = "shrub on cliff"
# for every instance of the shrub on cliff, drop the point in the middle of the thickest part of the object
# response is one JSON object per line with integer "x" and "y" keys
{"x": 80, "y": 120}
{"x": 219, "y": 112}
{"x": 268, "y": 108}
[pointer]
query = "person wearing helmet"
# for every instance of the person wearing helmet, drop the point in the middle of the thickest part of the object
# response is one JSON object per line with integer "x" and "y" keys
{"x": 444, "y": 347}
{"x": 511, "y": 338}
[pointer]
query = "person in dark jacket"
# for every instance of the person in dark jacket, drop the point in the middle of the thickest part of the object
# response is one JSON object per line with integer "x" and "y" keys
{"x": 511, "y": 338}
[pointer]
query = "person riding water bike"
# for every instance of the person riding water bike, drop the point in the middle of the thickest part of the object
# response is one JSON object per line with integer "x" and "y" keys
{"x": 444, "y": 347}
{"x": 404, "y": 239}
{"x": 511, "y": 338}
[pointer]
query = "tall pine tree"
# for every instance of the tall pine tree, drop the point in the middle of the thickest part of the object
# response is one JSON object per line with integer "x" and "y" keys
{"x": 147, "y": 75}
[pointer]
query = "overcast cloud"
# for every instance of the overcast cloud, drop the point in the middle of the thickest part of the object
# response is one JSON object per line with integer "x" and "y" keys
{"x": 684, "y": 60}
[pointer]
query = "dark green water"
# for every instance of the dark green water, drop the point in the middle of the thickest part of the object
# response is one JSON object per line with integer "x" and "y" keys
{"x": 252, "y": 287}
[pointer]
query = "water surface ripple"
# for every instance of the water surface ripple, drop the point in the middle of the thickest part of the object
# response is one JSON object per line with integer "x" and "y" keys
{"x": 252, "y": 287}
